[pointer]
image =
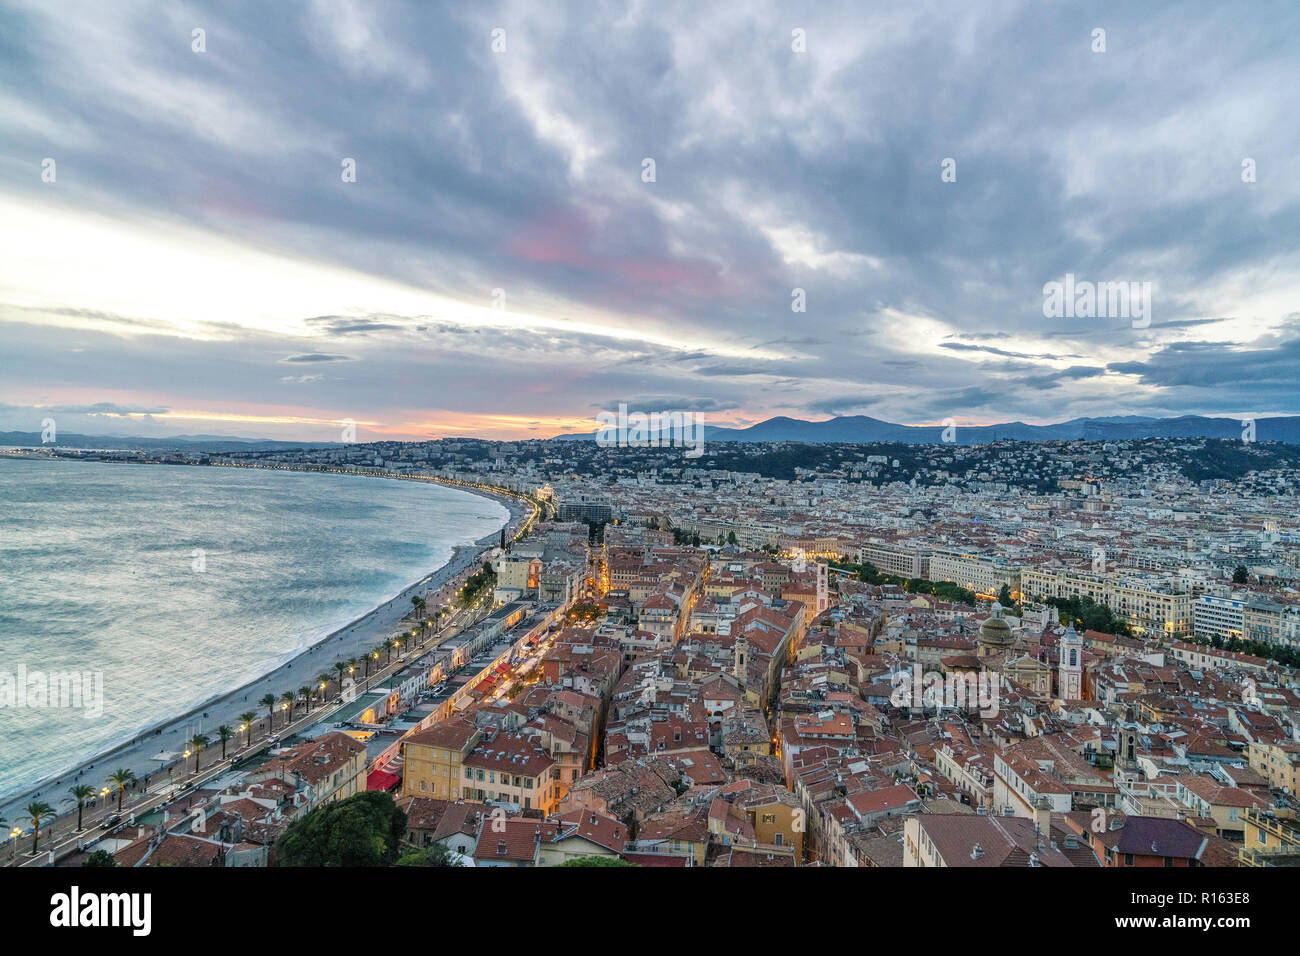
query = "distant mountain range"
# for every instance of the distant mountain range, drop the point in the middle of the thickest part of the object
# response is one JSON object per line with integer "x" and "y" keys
{"x": 862, "y": 430}
{"x": 858, "y": 429}
{"x": 194, "y": 443}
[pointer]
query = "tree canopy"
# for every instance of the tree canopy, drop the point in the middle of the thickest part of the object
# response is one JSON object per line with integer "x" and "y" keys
{"x": 435, "y": 855}
{"x": 363, "y": 830}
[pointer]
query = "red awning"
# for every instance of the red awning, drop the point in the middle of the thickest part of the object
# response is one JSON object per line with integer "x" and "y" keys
{"x": 382, "y": 780}
{"x": 503, "y": 668}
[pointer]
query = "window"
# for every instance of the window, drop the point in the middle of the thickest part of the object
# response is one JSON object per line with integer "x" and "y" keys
{"x": 1128, "y": 859}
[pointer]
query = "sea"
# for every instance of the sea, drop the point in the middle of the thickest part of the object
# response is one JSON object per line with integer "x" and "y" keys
{"x": 169, "y": 585}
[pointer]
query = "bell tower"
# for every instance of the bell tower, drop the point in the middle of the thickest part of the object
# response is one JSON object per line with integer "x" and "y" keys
{"x": 1070, "y": 668}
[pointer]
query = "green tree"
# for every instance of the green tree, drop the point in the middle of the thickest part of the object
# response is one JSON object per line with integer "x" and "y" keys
{"x": 198, "y": 742}
{"x": 224, "y": 733}
{"x": 363, "y": 830}
{"x": 80, "y": 794}
{"x": 1240, "y": 575}
{"x": 436, "y": 855}
{"x": 38, "y": 813}
{"x": 287, "y": 698}
{"x": 269, "y": 703}
{"x": 119, "y": 780}
{"x": 100, "y": 858}
{"x": 247, "y": 718}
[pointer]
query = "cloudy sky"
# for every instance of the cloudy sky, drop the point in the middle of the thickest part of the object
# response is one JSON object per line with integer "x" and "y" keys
{"x": 502, "y": 267}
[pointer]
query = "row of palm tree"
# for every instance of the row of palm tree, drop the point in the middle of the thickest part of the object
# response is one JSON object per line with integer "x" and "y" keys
{"x": 119, "y": 780}
{"x": 40, "y": 812}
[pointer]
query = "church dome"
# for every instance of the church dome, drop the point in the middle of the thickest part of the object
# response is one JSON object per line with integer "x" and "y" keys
{"x": 995, "y": 633}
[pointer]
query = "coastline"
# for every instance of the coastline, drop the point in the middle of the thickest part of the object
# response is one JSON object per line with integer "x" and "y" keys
{"x": 352, "y": 639}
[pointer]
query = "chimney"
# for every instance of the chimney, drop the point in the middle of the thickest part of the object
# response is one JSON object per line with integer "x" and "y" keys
{"x": 1043, "y": 818}
{"x": 977, "y": 852}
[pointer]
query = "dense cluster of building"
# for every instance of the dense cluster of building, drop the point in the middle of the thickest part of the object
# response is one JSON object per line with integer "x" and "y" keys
{"x": 682, "y": 671}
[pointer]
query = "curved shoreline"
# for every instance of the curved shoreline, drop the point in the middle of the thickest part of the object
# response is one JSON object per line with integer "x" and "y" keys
{"x": 374, "y": 625}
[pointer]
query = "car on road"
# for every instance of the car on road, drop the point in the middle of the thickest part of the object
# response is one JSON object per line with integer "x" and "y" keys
{"x": 110, "y": 822}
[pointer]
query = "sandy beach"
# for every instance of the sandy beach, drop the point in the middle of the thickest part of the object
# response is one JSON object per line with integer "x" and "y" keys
{"x": 142, "y": 754}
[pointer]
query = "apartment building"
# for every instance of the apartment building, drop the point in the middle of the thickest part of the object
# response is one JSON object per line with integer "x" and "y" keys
{"x": 978, "y": 573}
{"x": 1146, "y": 605}
{"x": 326, "y": 769}
{"x": 433, "y": 759}
{"x": 902, "y": 560}
{"x": 1278, "y": 763}
{"x": 512, "y": 769}
{"x": 1221, "y": 617}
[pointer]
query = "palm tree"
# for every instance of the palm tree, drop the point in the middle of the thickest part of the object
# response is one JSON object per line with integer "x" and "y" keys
{"x": 38, "y": 812}
{"x": 224, "y": 733}
{"x": 288, "y": 698}
{"x": 121, "y": 779}
{"x": 247, "y": 717}
{"x": 352, "y": 665}
{"x": 198, "y": 742}
{"x": 340, "y": 666}
{"x": 388, "y": 650}
{"x": 269, "y": 703}
{"x": 305, "y": 693}
{"x": 80, "y": 793}
{"x": 418, "y": 603}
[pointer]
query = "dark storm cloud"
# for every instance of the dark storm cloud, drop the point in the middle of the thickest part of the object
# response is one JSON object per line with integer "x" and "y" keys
{"x": 340, "y": 325}
{"x": 993, "y": 350}
{"x": 1269, "y": 368}
{"x": 310, "y": 357}
{"x": 675, "y": 403}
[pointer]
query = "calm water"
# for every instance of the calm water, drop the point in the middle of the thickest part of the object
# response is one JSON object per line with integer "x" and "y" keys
{"x": 98, "y": 573}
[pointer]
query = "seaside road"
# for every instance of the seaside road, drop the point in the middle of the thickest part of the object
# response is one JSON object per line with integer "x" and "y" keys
{"x": 140, "y": 756}
{"x": 62, "y": 838}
